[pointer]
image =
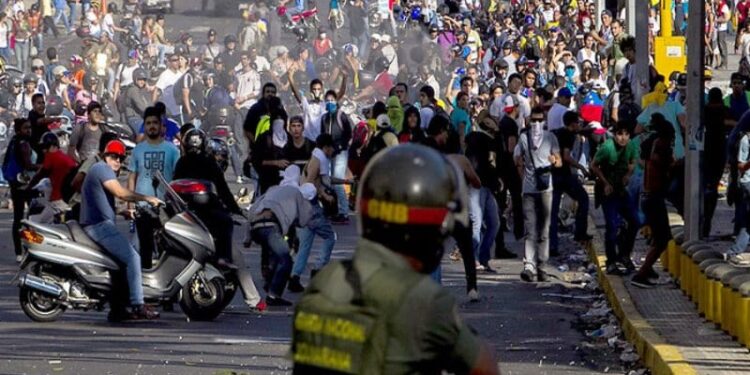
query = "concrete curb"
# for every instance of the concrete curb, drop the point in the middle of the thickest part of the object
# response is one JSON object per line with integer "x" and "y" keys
{"x": 658, "y": 355}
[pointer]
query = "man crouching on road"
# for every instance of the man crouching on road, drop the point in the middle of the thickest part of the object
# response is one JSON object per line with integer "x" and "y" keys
{"x": 270, "y": 219}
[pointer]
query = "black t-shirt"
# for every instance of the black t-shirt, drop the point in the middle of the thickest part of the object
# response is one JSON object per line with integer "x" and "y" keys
{"x": 37, "y": 130}
{"x": 254, "y": 113}
{"x": 294, "y": 154}
{"x": 566, "y": 139}
{"x": 203, "y": 167}
{"x": 231, "y": 59}
{"x": 481, "y": 151}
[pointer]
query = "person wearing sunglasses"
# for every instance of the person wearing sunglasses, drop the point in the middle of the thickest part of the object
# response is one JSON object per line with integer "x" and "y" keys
{"x": 99, "y": 190}
{"x": 536, "y": 154}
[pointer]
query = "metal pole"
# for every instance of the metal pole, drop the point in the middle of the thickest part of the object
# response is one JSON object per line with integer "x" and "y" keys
{"x": 694, "y": 140}
{"x": 631, "y": 12}
{"x": 640, "y": 32}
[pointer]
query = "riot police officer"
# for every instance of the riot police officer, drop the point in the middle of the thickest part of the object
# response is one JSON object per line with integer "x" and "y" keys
{"x": 410, "y": 199}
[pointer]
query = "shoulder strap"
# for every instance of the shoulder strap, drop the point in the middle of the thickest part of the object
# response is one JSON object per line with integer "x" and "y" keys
{"x": 528, "y": 148}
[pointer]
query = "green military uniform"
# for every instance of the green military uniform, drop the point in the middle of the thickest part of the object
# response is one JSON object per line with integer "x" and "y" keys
{"x": 425, "y": 333}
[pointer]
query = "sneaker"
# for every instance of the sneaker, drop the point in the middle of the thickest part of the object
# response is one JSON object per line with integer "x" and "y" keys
{"x": 612, "y": 269}
{"x": 652, "y": 275}
{"x": 479, "y": 267}
{"x": 542, "y": 276}
{"x": 117, "y": 315}
{"x": 239, "y": 180}
{"x": 739, "y": 260}
{"x": 504, "y": 253}
{"x": 143, "y": 312}
{"x": 226, "y": 264}
{"x": 488, "y": 269}
{"x": 19, "y": 258}
{"x": 473, "y": 295}
{"x": 340, "y": 220}
{"x": 455, "y": 255}
{"x": 642, "y": 282}
{"x": 277, "y": 301}
{"x": 629, "y": 266}
{"x": 259, "y": 308}
{"x": 295, "y": 286}
{"x": 527, "y": 276}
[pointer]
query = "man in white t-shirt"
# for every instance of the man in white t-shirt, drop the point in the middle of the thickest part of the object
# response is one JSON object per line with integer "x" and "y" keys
{"x": 165, "y": 85}
{"x": 314, "y": 107}
{"x": 524, "y": 106}
{"x": 555, "y": 114}
{"x": 248, "y": 83}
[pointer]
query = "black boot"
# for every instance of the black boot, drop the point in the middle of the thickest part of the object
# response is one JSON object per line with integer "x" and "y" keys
{"x": 294, "y": 285}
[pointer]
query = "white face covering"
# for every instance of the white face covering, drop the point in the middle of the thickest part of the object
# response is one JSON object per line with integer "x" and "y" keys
{"x": 537, "y": 133}
{"x": 279, "y": 134}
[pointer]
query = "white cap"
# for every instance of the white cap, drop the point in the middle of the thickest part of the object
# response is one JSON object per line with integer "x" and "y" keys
{"x": 385, "y": 38}
{"x": 383, "y": 121}
{"x": 375, "y": 37}
{"x": 308, "y": 191}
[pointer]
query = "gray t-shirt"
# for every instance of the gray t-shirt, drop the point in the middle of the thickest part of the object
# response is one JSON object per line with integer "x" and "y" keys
{"x": 97, "y": 204}
{"x": 541, "y": 155}
{"x": 86, "y": 141}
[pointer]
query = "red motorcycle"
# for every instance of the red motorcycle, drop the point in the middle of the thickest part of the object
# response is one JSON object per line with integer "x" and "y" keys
{"x": 307, "y": 17}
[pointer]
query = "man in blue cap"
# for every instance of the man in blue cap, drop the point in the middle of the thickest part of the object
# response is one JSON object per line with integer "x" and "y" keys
{"x": 555, "y": 114}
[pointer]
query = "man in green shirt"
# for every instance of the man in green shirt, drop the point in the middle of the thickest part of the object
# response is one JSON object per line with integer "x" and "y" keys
{"x": 614, "y": 164}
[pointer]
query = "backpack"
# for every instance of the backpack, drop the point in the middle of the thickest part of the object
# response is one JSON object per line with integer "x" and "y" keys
{"x": 376, "y": 143}
{"x": 11, "y": 167}
{"x": 348, "y": 336}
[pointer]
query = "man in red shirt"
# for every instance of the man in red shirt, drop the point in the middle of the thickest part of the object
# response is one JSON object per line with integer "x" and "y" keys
{"x": 382, "y": 83}
{"x": 743, "y": 7}
{"x": 57, "y": 165}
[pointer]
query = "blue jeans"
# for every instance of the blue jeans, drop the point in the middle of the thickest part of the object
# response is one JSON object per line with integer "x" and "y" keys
{"x": 339, "y": 164}
{"x": 483, "y": 212}
{"x": 22, "y": 50}
{"x": 570, "y": 185}
{"x": 72, "y": 14}
{"x": 272, "y": 240}
{"x": 5, "y": 54}
{"x": 60, "y": 15}
{"x": 634, "y": 189}
{"x": 320, "y": 226}
{"x": 106, "y": 235}
{"x": 616, "y": 208}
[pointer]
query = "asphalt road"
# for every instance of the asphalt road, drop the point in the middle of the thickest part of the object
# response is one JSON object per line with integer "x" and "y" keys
{"x": 530, "y": 333}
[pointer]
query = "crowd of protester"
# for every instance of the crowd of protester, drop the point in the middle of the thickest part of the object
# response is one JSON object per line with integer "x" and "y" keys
{"x": 533, "y": 100}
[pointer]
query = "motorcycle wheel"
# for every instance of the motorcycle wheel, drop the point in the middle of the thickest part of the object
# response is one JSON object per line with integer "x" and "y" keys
{"x": 36, "y": 305}
{"x": 202, "y": 302}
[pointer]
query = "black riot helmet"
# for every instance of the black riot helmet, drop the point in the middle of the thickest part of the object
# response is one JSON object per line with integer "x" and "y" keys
{"x": 194, "y": 141}
{"x": 410, "y": 199}
{"x": 219, "y": 149}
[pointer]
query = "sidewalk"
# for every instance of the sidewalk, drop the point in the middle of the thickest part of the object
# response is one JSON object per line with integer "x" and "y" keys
{"x": 664, "y": 324}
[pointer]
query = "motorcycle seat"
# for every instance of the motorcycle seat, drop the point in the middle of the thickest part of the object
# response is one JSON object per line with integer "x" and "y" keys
{"x": 81, "y": 237}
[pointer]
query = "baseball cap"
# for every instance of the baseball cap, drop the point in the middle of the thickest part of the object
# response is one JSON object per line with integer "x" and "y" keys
{"x": 59, "y": 70}
{"x": 565, "y": 93}
{"x": 308, "y": 191}
{"x": 510, "y": 103}
{"x": 115, "y": 147}
{"x": 383, "y": 121}
{"x": 37, "y": 63}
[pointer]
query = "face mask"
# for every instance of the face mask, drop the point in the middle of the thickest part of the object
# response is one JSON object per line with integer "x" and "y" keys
{"x": 331, "y": 106}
